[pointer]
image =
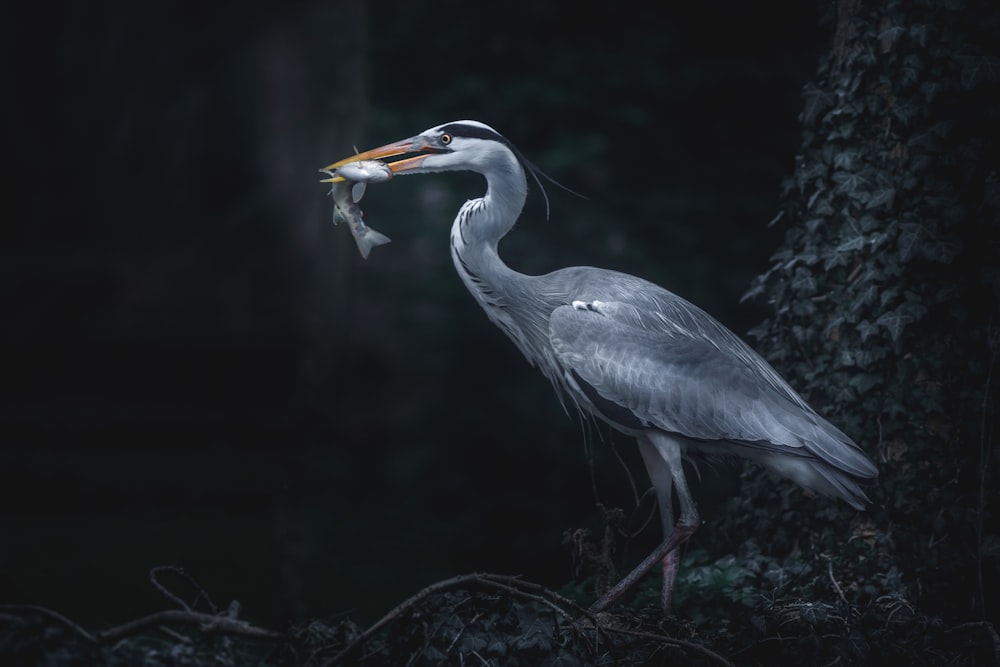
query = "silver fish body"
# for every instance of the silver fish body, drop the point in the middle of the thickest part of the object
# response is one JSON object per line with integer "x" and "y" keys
{"x": 365, "y": 171}
{"x": 346, "y": 195}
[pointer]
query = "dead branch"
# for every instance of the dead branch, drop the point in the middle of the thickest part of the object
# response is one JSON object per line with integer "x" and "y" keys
{"x": 671, "y": 641}
{"x": 54, "y": 615}
{"x": 201, "y": 593}
{"x": 510, "y": 584}
{"x": 207, "y": 624}
{"x": 987, "y": 628}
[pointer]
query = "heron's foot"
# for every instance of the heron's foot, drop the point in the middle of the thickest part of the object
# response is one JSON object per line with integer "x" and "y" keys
{"x": 671, "y": 564}
{"x": 682, "y": 532}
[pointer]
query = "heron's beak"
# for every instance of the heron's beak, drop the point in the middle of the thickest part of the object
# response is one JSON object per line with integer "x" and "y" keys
{"x": 411, "y": 145}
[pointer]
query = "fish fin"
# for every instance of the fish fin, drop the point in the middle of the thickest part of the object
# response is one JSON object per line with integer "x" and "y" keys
{"x": 371, "y": 240}
{"x": 358, "y": 191}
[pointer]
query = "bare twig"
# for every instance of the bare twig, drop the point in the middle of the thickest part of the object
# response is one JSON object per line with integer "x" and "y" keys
{"x": 154, "y": 575}
{"x": 833, "y": 580}
{"x": 510, "y": 584}
{"x": 54, "y": 615}
{"x": 529, "y": 591}
{"x": 985, "y": 626}
{"x": 398, "y": 610}
{"x": 207, "y": 623}
{"x": 671, "y": 641}
{"x": 628, "y": 472}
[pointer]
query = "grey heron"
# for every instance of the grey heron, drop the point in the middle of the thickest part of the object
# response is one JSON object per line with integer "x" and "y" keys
{"x": 629, "y": 352}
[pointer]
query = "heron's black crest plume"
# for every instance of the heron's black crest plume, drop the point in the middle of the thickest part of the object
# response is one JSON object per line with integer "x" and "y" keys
{"x": 478, "y": 132}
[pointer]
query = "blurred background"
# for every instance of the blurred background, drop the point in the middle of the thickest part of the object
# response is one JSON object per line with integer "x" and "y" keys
{"x": 198, "y": 369}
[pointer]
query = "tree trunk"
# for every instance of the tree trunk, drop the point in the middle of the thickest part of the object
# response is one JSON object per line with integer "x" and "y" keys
{"x": 885, "y": 293}
{"x": 312, "y": 109}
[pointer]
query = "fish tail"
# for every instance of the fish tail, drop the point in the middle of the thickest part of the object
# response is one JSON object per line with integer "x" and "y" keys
{"x": 371, "y": 240}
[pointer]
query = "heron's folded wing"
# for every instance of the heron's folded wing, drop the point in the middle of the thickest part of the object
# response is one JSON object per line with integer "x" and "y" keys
{"x": 640, "y": 373}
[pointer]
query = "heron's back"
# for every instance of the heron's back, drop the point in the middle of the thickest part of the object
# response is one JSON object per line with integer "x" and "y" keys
{"x": 656, "y": 361}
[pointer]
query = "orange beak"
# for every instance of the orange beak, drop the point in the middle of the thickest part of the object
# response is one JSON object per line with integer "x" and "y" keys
{"x": 412, "y": 145}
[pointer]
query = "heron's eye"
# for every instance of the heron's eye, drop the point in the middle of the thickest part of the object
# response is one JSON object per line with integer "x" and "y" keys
{"x": 445, "y": 139}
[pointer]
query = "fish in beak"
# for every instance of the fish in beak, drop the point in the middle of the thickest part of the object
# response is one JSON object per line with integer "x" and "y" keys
{"x": 416, "y": 145}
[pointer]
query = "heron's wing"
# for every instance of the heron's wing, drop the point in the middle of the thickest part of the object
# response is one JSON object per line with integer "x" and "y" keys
{"x": 643, "y": 370}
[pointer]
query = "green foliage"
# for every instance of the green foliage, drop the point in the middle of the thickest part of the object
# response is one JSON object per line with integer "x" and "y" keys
{"x": 884, "y": 294}
{"x": 748, "y": 578}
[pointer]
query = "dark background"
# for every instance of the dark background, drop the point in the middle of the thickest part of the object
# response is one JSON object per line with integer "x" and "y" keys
{"x": 198, "y": 369}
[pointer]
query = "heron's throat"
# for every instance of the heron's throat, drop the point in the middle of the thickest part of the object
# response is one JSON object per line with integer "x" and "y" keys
{"x": 504, "y": 294}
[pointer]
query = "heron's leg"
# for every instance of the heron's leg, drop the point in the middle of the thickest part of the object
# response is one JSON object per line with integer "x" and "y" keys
{"x": 662, "y": 480}
{"x": 669, "y": 450}
{"x": 679, "y": 536}
{"x": 660, "y": 474}
{"x": 662, "y": 456}
{"x": 671, "y": 563}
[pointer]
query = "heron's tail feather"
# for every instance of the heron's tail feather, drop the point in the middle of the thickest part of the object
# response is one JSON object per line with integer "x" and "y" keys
{"x": 819, "y": 476}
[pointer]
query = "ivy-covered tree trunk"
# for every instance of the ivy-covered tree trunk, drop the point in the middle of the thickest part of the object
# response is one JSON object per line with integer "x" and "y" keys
{"x": 885, "y": 298}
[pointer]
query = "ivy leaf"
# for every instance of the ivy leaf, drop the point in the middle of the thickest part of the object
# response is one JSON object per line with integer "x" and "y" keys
{"x": 845, "y": 130}
{"x": 813, "y": 224}
{"x": 884, "y": 197}
{"x": 803, "y": 280}
{"x": 889, "y": 36}
{"x": 866, "y": 329}
{"x": 849, "y": 182}
{"x": 930, "y": 89}
{"x": 815, "y": 195}
{"x": 867, "y": 223}
{"x": 862, "y": 382}
{"x": 756, "y": 290}
{"x": 781, "y": 255}
{"x": 843, "y": 160}
{"x": 894, "y": 322}
{"x": 824, "y": 208}
{"x": 941, "y": 251}
{"x": 807, "y": 173}
{"x": 816, "y": 102}
{"x": 904, "y": 111}
{"x": 888, "y": 295}
{"x": 910, "y": 71}
{"x": 865, "y": 297}
{"x": 832, "y": 259}
{"x": 852, "y": 244}
{"x": 909, "y": 242}
{"x": 979, "y": 69}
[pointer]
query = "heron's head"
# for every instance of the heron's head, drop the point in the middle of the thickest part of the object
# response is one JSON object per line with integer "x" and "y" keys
{"x": 461, "y": 145}
{"x": 464, "y": 145}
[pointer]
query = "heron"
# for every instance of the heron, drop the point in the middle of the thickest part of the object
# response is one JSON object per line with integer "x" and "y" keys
{"x": 629, "y": 352}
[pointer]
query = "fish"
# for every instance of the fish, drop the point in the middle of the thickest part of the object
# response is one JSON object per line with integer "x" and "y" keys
{"x": 365, "y": 171}
{"x": 349, "y": 191}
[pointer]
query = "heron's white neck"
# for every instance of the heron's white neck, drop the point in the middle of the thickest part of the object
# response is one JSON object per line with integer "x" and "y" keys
{"x": 478, "y": 228}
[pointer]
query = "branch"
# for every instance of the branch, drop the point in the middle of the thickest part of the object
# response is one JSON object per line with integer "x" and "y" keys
{"x": 54, "y": 615}
{"x": 207, "y": 623}
{"x": 664, "y": 639}
{"x": 510, "y": 584}
{"x": 987, "y": 628}
{"x": 154, "y": 579}
{"x": 833, "y": 580}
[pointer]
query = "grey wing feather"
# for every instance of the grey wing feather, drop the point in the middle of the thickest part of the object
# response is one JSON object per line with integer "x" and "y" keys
{"x": 695, "y": 379}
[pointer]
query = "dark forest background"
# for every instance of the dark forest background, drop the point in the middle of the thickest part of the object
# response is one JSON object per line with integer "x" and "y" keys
{"x": 199, "y": 369}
